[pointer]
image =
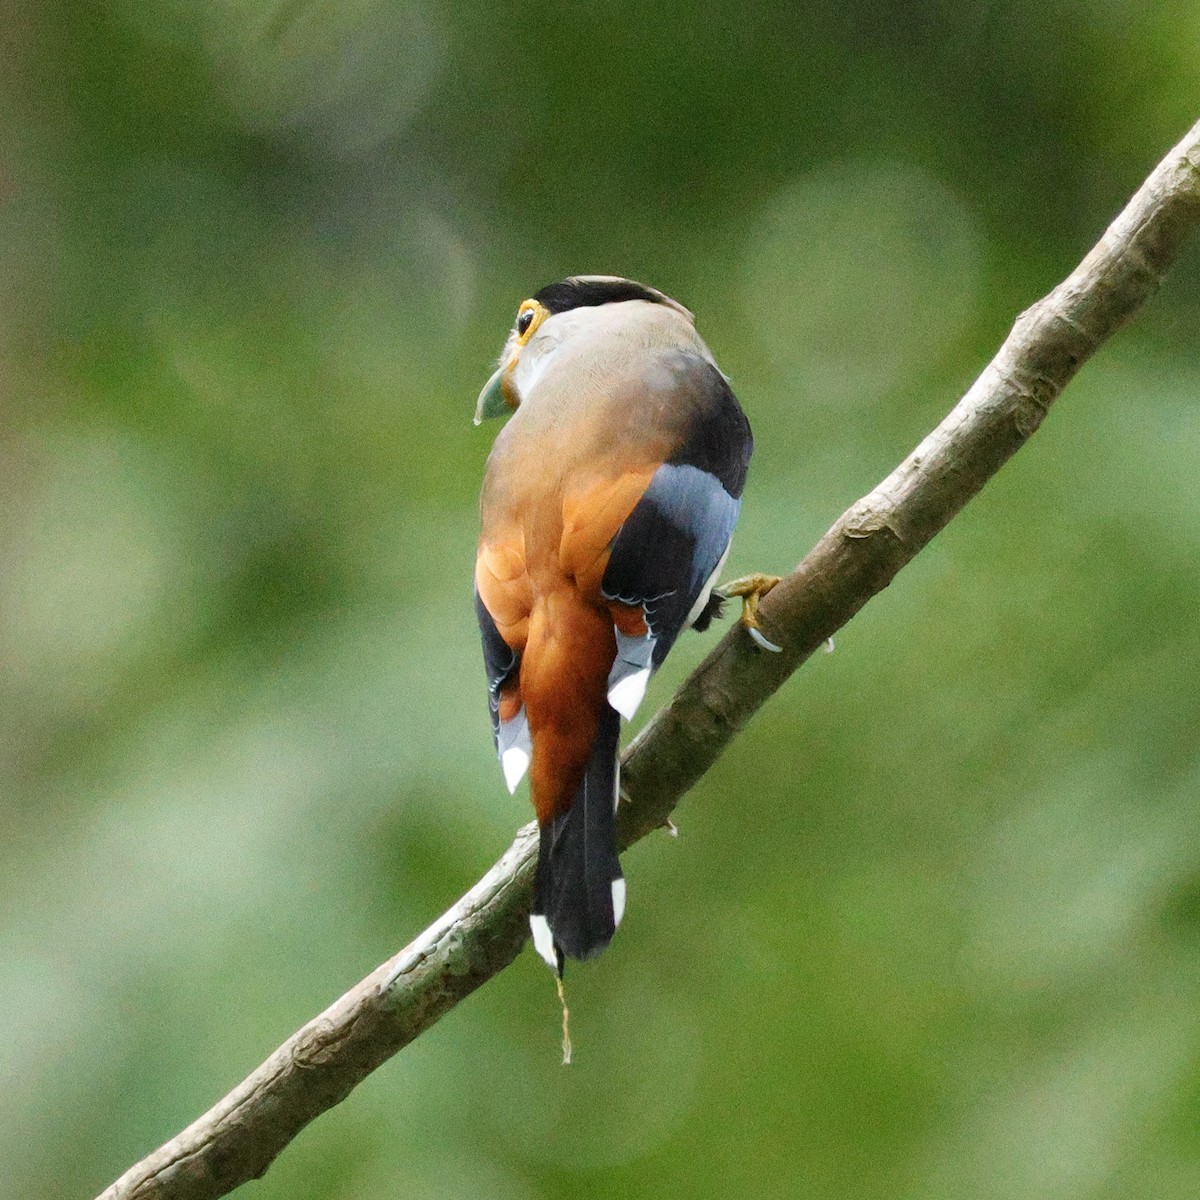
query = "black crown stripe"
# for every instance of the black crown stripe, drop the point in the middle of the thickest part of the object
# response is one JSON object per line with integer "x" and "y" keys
{"x": 590, "y": 293}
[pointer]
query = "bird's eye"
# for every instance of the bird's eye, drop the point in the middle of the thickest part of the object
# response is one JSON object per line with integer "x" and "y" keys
{"x": 524, "y": 320}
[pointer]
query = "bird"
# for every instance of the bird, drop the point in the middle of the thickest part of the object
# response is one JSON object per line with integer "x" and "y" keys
{"x": 608, "y": 505}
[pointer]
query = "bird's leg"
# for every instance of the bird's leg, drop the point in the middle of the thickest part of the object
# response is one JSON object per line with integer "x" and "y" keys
{"x": 751, "y": 589}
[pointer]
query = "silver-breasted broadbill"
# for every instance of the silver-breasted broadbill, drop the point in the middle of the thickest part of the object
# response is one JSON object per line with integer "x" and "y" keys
{"x": 608, "y": 505}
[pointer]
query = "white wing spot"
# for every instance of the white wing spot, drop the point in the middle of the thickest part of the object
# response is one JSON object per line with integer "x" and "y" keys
{"x": 515, "y": 762}
{"x": 626, "y": 695}
{"x": 706, "y": 590}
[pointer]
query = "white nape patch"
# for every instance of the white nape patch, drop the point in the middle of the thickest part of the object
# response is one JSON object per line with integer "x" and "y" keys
{"x": 543, "y": 940}
{"x": 706, "y": 591}
{"x": 627, "y": 694}
{"x": 618, "y": 899}
{"x": 515, "y": 761}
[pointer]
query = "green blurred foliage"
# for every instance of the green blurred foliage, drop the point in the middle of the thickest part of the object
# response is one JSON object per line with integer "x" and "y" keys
{"x": 932, "y": 926}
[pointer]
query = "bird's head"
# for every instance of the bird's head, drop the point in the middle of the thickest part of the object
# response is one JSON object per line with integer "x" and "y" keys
{"x": 540, "y": 330}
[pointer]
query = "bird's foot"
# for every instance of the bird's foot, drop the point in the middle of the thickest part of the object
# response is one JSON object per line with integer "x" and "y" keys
{"x": 751, "y": 589}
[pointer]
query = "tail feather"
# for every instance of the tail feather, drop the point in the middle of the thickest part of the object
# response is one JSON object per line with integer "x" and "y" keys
{"x": 579, "y": 893}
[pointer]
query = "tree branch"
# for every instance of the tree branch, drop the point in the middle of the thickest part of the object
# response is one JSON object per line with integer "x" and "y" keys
{"x": 319, "y": 1065}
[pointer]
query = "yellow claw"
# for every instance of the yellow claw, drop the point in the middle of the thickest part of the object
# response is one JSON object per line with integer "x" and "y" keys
{"x": 751, "y": 589}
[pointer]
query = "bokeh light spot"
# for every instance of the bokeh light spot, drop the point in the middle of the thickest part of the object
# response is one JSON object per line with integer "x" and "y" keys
{"x": 859, "y": 276}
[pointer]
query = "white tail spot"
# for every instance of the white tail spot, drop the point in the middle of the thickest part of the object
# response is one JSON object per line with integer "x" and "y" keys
{"x": 543, "y": 940}
{"x": 618, "y": 899}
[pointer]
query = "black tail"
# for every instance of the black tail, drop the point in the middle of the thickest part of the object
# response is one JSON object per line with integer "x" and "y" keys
{"x": 576, "y": 889}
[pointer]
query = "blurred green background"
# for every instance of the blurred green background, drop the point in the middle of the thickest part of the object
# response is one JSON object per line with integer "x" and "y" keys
{"x": 932, "y": 925}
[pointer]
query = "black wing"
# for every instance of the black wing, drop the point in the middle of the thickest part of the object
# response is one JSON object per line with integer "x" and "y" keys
{"x": 502, "y": 662}
{"x": 668, "y": 553}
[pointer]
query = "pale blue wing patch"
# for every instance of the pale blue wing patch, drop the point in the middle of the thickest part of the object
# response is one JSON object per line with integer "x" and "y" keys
{"x": 665, "y": 558}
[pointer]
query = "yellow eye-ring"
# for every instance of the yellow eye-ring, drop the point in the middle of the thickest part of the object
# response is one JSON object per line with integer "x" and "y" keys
{"x": 529, "y": 316}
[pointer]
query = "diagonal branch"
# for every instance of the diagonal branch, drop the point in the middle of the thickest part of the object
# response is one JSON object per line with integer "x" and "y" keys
{"x": 319, "y": 1065}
